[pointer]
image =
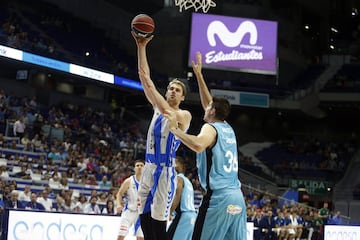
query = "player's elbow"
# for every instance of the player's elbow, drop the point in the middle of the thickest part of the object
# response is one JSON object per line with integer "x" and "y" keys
{"x": 198, "y": 147}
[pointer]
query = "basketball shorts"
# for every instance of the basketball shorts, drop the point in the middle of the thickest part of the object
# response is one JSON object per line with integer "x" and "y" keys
{"x": 156, "y": 191}
{"x": 130, "y": 218}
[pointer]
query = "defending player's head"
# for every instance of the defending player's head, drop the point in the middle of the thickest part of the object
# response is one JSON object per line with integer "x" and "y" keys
{"x": 222, "y": 107}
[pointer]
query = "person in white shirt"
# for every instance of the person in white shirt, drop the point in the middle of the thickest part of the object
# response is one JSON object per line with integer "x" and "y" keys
{"x": 92, "y": 207}
{"x": 45, "y": 201}
{"x": 26, "y": 194}
{"x": 19, "y": 127}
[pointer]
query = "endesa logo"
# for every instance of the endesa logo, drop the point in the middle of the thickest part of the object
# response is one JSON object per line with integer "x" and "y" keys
{"x": 337, "y": 232}
{"x": 56, "y": 226}
{"x": 56, "y": 230}
{"x": 233, "y": 40}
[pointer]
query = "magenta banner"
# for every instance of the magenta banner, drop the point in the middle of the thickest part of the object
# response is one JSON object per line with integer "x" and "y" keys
{"x": 236, "y": 44}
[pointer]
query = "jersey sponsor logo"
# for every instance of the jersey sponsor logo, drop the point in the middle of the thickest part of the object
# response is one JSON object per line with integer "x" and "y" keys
{"x": 233, "y": 209}
{"x": 230, "y": 140}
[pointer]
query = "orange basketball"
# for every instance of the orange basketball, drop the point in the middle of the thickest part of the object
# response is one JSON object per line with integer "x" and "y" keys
{"x": 143, "y": 25}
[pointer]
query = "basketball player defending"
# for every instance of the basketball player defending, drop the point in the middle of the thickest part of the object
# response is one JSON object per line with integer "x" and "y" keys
{"x": 129, "y": 212}
{"x": 157, "y": 185}
{"x": 222, "y": 214}
{"x": 182, "y": 225}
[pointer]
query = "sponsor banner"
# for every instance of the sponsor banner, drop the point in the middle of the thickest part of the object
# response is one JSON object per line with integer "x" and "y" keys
{"x": 232, "y": 43}
{"x": 55, "y": 226}
{"x": 45, "y": 62}
{"x": 254, "y": 99}
{"x": 10, "y": 53}
{"x": 232, "y": 96}
{"x": 311, "y": 186}
{"x": 248, "y": 99}
{"x": 91, "y": 73}
{"x": 339, "y": 232}
{"x": 68, "y": 67}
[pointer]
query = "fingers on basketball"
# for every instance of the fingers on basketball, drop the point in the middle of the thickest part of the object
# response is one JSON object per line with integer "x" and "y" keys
{"x": 143, "y": 25}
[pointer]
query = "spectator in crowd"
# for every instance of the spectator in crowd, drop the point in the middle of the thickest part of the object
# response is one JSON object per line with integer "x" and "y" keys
{"x": 267, "y": 225}
{"x": 104, "y": 183}
{"x": 54, "y": 181}
{"x": 109, "y": 208}
{"x": 324, "y": 212}
{"x": 335, "y": 219}
{"x": 33, "y": 204}
{"x": 45, "y": 201}
{"x": 81, "y": 203}
{"x": 26, "y": 194}
{"x": 14, "y": 202}
{"x": 19, "y": 127}
{"x": 92, "y": 207}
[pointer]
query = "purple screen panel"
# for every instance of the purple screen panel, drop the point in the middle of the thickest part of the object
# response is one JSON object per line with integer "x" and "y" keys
{"x": 233, "y": 43}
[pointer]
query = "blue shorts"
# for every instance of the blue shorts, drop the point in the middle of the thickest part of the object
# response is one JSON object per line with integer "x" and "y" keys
{"x": 182, "y": 226}
{"x": 222, "y": 216}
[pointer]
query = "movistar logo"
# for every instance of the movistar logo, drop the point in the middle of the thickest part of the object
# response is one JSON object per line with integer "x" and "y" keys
{"x": 231, "y": 39}
{"x": 217, "y": 30}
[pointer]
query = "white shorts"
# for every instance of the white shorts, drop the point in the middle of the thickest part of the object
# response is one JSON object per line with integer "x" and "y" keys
{"x": 156, "y": 191}
{"x": 129, "y": 218}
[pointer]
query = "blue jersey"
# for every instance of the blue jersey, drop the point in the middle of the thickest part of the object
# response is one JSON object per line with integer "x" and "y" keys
{"x": 161, "y": 144}
{"x": 218, "y": 166}
{"x": 187, "y": 195}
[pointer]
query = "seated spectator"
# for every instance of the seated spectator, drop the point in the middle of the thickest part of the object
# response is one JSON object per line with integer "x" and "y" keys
{"x": 22, "y": 172}
{"x": 28, "y": 173}
{"x": 81, "y": 203}
{"x": 36, "y": 141}
{"x": 335, "y": 219}
{"x": 102, "y": 199}
{"x": 26, "y": 194}
{"x": 45, "y": 201}
{"x": 14, "y": 202}
{"x": 54, "y": 181}
{"x": 91, "y": 180}
{"x": 25, "y": 139}
{"x": 64, "y": 184}
{"x": 33, "y": 204}
{"x": 92, "y": 207}
{"x": 109, "y": 208}
{"x": 104, "y": 183}
{"x": 4, "y": 173}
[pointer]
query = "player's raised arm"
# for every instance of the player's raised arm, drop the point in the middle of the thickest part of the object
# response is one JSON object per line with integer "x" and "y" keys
{"x": 151, "y": 93}
{"x": 204, "y": 92}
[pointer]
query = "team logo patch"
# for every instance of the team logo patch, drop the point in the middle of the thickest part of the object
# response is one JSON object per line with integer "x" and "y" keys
{"x": 233, "y": 209}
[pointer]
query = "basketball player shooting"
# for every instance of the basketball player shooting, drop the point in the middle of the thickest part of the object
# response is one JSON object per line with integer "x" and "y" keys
{"x": 158, "y": 183}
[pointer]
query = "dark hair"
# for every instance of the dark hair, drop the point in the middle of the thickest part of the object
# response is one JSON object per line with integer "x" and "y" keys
{"x": 222, "y": 107}
{"x": 139, "y": 161}
{"x": 181, "y": 160}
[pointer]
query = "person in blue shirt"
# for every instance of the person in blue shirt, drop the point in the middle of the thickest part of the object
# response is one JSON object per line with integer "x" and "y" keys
{"x": 182, "y": 224}
{"x": 222, "y": 214}
{"x": 335, "y": 219}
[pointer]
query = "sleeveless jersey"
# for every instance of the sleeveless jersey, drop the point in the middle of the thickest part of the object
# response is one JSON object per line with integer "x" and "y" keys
{"x": 161, "y": 144}
{"x": 218, "y": 166}
{"x": 131, "y": 194}
{"x": 187, "y": 195}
